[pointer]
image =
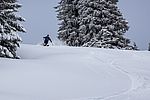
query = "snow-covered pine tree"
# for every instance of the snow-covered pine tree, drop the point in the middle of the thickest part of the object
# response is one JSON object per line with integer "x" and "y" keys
{"x": 9, "y": 26}
{"x": 149, "y": 47}
{"x": 69, "y": 24}
{"x": 102, "y": 24}
{"x": 114, "y": 1}
{"x": 135, "y": 46}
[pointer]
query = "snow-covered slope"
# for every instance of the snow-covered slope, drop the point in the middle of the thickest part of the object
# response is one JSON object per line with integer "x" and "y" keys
{"x": 68, "y": 73}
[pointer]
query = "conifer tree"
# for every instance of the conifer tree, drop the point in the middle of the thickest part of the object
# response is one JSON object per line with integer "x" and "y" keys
{"x": 102, "y": 24}
{"x": 149, "y": 47}
{"x": 9, "y": 26}
{"x": 135, "y": 46}
{"x": 69, "y": 24}
{"x": 92, "y": 23}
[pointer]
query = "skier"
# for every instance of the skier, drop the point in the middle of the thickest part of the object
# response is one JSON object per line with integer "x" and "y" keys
{"x": 46, "y": 40}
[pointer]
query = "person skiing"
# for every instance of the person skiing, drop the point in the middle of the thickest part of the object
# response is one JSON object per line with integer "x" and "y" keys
{"x": 46, "y": 40}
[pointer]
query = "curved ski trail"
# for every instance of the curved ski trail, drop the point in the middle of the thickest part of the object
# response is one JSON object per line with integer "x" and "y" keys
{"x": 140, "y": 83}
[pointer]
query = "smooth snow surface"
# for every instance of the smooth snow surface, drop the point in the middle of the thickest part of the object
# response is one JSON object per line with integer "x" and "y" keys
{"x": 69, "y": 73}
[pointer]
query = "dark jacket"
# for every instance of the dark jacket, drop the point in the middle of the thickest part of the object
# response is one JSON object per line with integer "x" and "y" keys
{"x": 46, "y": 39}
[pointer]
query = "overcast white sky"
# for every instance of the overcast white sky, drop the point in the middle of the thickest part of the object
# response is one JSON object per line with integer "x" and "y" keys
{"x": 41, "y": 20}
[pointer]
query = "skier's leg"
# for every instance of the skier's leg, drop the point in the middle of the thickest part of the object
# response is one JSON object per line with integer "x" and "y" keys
{"x": 46, "y": 43}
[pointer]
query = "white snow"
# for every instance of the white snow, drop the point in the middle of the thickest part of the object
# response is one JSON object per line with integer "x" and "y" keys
{"x": 69, "y": 73}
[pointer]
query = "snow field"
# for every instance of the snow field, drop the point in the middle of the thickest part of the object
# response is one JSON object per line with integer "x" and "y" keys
{"x": 69, "y": 73}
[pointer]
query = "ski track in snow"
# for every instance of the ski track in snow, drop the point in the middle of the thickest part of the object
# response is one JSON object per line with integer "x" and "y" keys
{"x": 140, "y": 82}
{"x": 110, "y": 63}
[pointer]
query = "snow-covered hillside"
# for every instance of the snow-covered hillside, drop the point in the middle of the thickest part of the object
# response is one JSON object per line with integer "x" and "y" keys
{"x": 68, "y": 73}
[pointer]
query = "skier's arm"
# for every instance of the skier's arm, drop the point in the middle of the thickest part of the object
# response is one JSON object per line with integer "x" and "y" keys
{"x": 50, "y": 40}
